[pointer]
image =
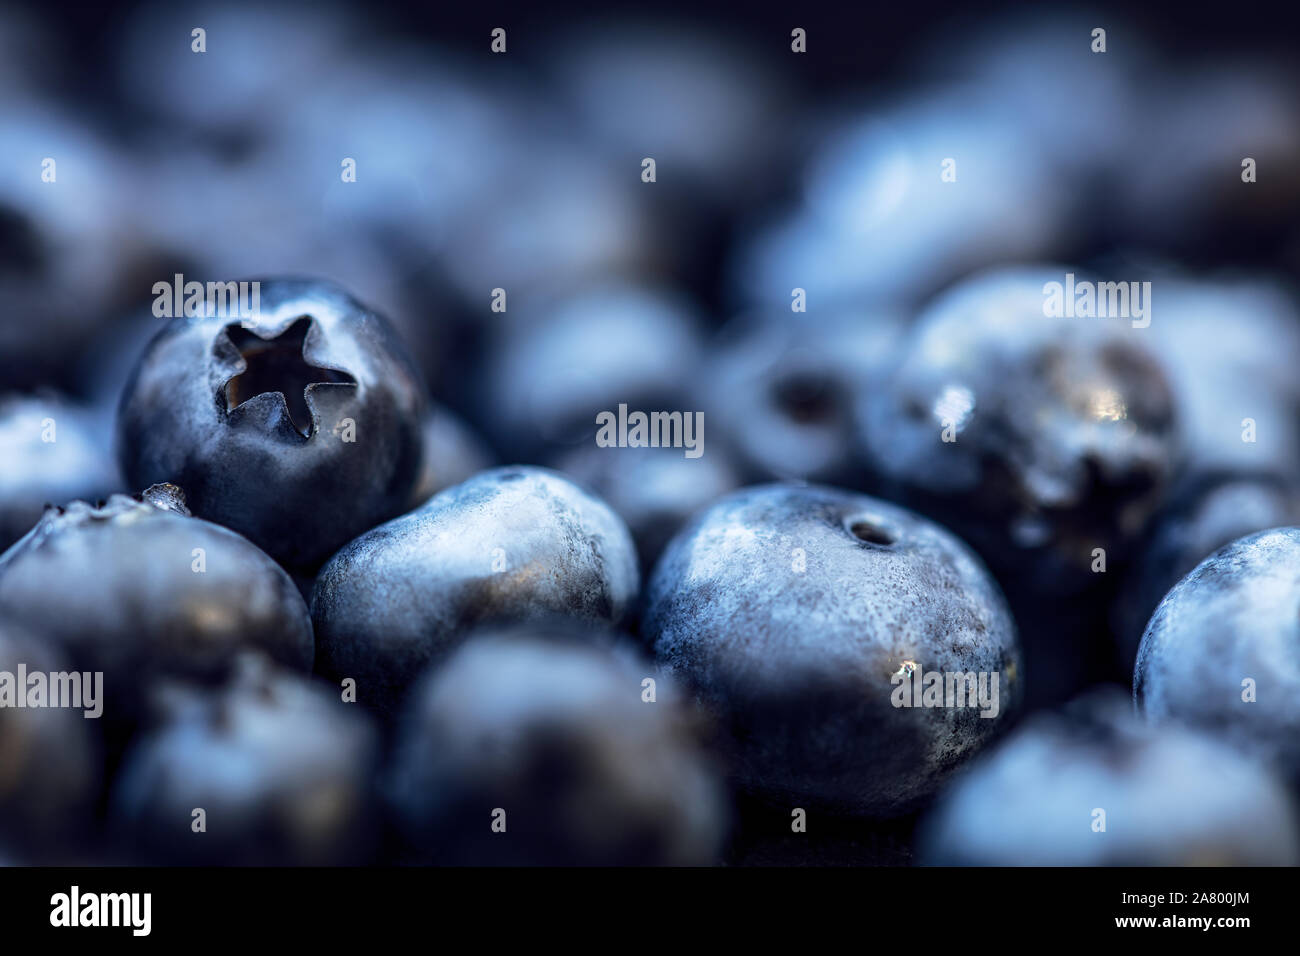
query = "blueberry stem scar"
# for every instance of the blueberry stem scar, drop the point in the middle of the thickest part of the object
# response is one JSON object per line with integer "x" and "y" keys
{"x": 278, "y": 365}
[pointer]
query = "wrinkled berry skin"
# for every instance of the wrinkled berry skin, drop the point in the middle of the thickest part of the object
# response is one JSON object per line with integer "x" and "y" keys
{"x": 510, "y": 543}
{"x": 1061, "y": 431}
{"x": 1172, "y": 797}
{"x": 301, "y": 477}
{"x": 281, "y": 766}
{"x": 1232, "y": 618}
{"x": 789, "y": 608}
{"x": 550, "y": 725}
{"x": 50, "y": 763}
{"x": 74, "y": 463}
{"x": 116, "y": 587}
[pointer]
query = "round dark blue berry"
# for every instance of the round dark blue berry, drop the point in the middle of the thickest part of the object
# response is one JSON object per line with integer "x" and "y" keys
{"x": 138, "y": 589}
{"x": 510, "y": 543}
{"x": 1038, "y": 439}
{"x": 1206, "y": 514}
{"x": 1222, "y": 651}
{"x": 298, "y": 427}
{"x": 795, "y": 613}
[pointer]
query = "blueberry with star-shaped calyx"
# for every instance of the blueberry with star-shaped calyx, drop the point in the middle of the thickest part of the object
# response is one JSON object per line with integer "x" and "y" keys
{"x": 296, "y": 424}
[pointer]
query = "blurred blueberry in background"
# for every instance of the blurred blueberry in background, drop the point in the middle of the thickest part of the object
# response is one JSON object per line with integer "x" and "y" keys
{"x": 536, "y": 746}
{"x": 655, "y": 490}
{"x": 557, "y": 216}
{"x": 877, "y": 223}
{"x": 1078, "y": 108}
{"x": 54, "y": 451}
{"x": 1166, "y": 798}
{"x": 283, "y": 771}
{"x": 259, "y": 58}
{"x": 702, "y": 104}
{"x": 1038, "y": 438}
{"x": 453, "y": 453}
{"x": 65, "y": 249}
{"x": 50, "y": 765}
{"x": 782, "y": 388}
{"x": 1229, "y": 346}
{"x": 557, "y": 362}
{"x": 711, "y": 108}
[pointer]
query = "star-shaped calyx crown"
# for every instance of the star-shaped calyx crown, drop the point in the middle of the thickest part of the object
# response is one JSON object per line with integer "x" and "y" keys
{"x": 279, "y": 365}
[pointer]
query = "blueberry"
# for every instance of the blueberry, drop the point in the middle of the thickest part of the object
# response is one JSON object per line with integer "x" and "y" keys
{"x": 64, "y": 253}
{"x": 1230, "y": 387}
{"x": 393, "y": 109}
{"x": 1079, "y": 108}
{"x": 1221, "y": 651}
{"x": 551, "y": 727}
{"x": 875, "y": 222}
{"x": 1170, "y": 798}
{"x": 1205, "y": 515}
{"x": 298, "y": 427}
{"x": 559, "y": 361}
{"x": 705, "y": 102}
{"x": 452, "y": 453}
{"x": 137, "y": 589}
{"x": 782, "y": 389}
{"x": 509, "y": 238}
{"x": 258, "y": 63}
{"x": 655, "y": 490}
{"x": 1037, "y": 439}
{"x": 704, "y": 105}
{"x": 512, "y": 543}
{"x": 281, "y": 768}
{"x": 789, "y": 609}
{"x": 50, "y": 762}
{"x": 54, "y": 450}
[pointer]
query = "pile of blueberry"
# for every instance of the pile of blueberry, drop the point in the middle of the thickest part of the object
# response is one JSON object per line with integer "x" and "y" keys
{"x": 347, "y": 574}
